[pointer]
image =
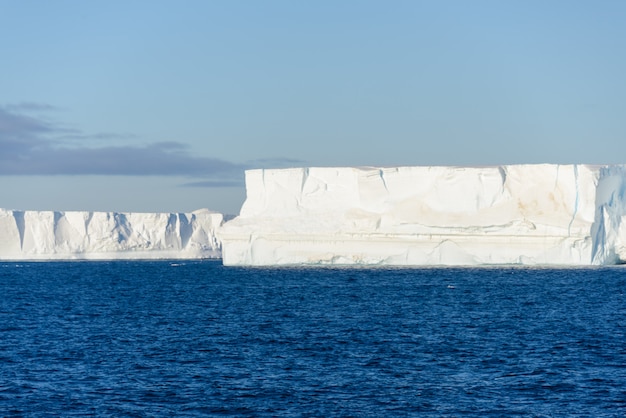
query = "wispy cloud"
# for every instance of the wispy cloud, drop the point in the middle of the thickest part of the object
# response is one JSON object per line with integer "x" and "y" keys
{"x": 216, "y": 184}
{"x": 32, "y": 145}
{"x": 14, "y": 125}
{"x": 78, "y": 136}
{"x": 30, "y": 106}
{"x": 275, "y": 162}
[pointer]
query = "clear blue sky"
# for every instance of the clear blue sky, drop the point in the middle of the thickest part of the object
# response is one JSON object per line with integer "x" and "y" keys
{"x": 161, "y": 105}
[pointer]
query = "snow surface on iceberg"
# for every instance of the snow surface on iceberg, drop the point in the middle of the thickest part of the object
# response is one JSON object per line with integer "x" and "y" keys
{"x": 46, "y": 235}
{"x": 517, "y": 214}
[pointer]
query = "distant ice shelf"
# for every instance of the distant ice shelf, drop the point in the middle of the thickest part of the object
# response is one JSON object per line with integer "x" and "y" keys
{"x": 47, "y": 235}
{"x": 541, "y": 214}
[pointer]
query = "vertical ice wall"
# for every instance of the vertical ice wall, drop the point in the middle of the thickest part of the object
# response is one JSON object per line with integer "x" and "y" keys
{"x": 105, "y": 235}
{"x": 521, "y": 214}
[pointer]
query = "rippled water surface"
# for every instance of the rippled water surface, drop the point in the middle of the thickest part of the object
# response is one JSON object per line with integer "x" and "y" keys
{"x": 195, "y": 338}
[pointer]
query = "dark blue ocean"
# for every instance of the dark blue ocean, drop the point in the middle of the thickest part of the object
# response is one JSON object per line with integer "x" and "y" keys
{"x": 192, "y": 338}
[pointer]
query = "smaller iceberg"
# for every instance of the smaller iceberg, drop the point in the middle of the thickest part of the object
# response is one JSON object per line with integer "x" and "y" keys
{"x": 48, "y": 235}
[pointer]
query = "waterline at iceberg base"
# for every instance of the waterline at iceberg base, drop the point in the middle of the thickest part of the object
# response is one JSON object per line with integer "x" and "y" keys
{"x": 542, "y": 214}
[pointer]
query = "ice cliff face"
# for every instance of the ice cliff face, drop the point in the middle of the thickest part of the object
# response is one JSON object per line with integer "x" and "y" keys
{"x": 517, "y": 214}
{"x": 36, "y": 235}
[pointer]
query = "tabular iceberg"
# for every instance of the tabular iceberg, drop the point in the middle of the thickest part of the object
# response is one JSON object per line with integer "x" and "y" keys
{"x": 517, "y": 214}
{"x": 47, "y": 235}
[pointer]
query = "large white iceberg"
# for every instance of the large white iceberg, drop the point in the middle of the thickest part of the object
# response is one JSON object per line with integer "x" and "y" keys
{"x": 516, "y": 214}
{"x": 47, "y": 235}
